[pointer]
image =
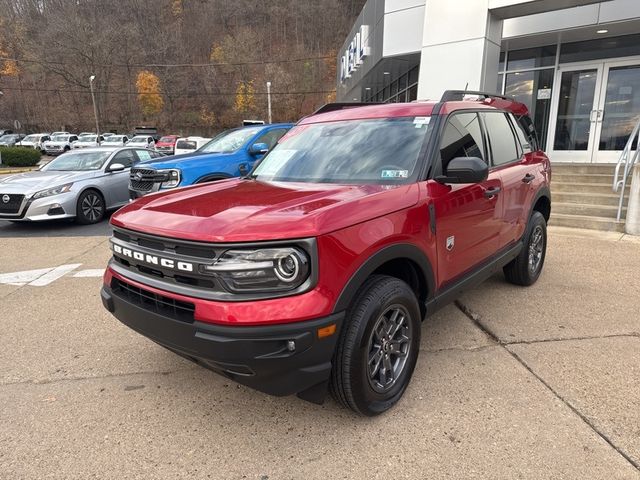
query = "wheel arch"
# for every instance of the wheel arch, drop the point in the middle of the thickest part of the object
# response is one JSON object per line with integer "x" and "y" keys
{"x": 210, "y": 177}
{"x": 542, "y": 203}
{"x": 404, "y": 261}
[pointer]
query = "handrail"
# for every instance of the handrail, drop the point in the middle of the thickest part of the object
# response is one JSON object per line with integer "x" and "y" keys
{"x": 629, "y": 159}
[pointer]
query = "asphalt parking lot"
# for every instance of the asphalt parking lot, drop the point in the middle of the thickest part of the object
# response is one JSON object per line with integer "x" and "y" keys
{"x": 510, "y": 383}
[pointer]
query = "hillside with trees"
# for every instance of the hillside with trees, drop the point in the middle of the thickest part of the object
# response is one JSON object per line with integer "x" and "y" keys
{"x": 191, "y": 66}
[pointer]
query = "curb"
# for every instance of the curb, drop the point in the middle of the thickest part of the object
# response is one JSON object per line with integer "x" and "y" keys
{"x": 7, "y": 171}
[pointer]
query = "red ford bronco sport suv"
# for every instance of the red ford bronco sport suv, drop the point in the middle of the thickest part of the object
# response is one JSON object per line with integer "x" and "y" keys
{"x": 315, "y": 271}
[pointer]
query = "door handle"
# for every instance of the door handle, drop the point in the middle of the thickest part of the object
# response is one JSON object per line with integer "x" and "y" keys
{"x": 528, "y": 178}
{"x": 492, "y": 192}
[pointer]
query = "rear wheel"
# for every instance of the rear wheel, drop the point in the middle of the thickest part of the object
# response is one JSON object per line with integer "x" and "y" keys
{"x": 90, "y": 208}
{"x": 525, "y": 269}
{"x": 378, "y": 347}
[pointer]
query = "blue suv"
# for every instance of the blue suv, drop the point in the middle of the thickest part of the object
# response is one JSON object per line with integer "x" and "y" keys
{"x": 230, "y": 154}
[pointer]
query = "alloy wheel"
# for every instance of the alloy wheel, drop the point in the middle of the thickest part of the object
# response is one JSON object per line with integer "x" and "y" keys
{"x": 536, "y": 248}
{"x": 92, "y": 207}
{"x": 389, "y": 346}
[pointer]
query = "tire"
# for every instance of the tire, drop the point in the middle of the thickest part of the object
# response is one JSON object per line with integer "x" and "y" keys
{"x": 367, "y": 390}
{"x": 90, "y": 208}
{"x": 525, "y": 269}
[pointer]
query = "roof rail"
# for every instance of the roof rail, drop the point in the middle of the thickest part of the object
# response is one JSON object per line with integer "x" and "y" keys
{"x": 331, "y": 107}
{"x": 453, "y": 95}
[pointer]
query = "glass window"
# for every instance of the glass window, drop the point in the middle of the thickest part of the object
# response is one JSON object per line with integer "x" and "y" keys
{"x": 532, "y": 58}
{"x": 522, "y": 136}
{"x": 77, "y": 161}
{"x": 499, "y": 86}
{"x": 413, "y": 75}
{"x": 611, "y": 47}
{"x": 413, "y": 93}
{"x": 378, "y": 151}
{"x": 501, "y": 62}
{"x": 394, "y": 88}
{"x": 230, "y": 141}
{"x": 402, "y": 82}
{"x": 621, "y": 107}
{"x": 271, "y": 137}
{"x": 503, "y": 143}
{"x": 462, "y": 137}
{"x": 573, "y": 124}
{"x": 533, "y": 88}
{"x": 128, "y": 157}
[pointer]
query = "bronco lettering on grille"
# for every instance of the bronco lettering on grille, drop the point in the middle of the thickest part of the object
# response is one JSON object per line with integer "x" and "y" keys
{"x": 153, "y": 259}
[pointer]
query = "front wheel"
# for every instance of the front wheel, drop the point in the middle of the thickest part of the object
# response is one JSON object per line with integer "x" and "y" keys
{"x": 90, "y": 208}
{"x": 525, "y": 269}
{"x": 378, "y": 347}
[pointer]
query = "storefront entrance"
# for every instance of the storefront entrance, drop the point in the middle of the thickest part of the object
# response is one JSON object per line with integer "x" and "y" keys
{"x": 595, "y": 107}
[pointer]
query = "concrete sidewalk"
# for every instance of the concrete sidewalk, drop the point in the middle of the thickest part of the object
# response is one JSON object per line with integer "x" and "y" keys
{"x": 538, "y": 382}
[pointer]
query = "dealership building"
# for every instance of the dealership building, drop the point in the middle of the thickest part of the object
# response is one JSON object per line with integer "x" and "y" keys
{"x": 574, "y": 63}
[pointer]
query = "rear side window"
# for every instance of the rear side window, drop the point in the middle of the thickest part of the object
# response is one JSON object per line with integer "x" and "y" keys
{"x": 503, "y": 143}
{"x": 462, "y": 137}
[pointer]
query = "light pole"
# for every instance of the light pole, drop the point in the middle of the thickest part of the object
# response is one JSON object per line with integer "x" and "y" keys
{"x": 269, "y": 100}
{"x": 95, "y": 109}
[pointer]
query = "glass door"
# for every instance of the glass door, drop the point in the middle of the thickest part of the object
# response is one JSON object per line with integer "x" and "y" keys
{"x": 575, "y": 113}
{"x": 618, "y": 109}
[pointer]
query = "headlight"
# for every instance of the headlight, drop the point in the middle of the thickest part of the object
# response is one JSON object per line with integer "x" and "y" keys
{"x": 174, "y": 178}
{"x": 53, "y": 191}
{"x": 261, "y": 270}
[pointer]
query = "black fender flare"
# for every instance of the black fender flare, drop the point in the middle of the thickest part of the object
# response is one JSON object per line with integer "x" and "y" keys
{"x": 213, "y": 176}
{"x": 375, "y": 261}
{"x": 543, "y": 191}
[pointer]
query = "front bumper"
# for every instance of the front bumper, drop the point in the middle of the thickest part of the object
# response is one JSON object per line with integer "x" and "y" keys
{"x": 55, "y": 207}
{"x": 260, "y": 357}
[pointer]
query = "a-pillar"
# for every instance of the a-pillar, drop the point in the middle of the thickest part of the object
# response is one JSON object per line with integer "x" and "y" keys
{"x": 461, "y": 48}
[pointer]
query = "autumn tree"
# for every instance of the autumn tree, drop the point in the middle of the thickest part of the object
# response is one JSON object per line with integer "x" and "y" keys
{"x": 149, "y": 96}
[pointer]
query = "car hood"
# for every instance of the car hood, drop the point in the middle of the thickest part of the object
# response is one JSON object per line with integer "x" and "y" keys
{"x": 186, "y": 160}
{"x": 238, "y": 210}
{"x": 31, "y": 182}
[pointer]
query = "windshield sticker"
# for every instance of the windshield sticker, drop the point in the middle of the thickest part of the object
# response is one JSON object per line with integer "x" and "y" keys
{"x": 420, "y": 121}
{"x": 395, "y": 174}
{"x": 274, "y": 161}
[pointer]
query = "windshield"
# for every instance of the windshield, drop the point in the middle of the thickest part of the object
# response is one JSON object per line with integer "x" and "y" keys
{"x": 9, "y": 138}
{"x": 30, "y": 138}
{"x": 59, "y": 138}
{"x": 78, "y": 162}
{"x": 113, "y": 138}
{"x": 167, "y": 140}
{"x": 364, "y": 151}
{"x": 229, "y": 142}
{"x": 88, "y": 138}
{"x": 138, "y": 140}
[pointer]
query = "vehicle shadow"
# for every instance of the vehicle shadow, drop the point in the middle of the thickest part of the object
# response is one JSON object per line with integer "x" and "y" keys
{"x": 54, "y": 228}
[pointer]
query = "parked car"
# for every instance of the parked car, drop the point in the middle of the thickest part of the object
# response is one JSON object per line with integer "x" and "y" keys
{"x": 317, "y": 269}
{"x": 229, "y": 155}
{"x": 60, "y": 133}
{"x": 145, "y": 141}
{"x": 85, "y": 134}
{"x": 35, "y": 140}
{"x": 88, "y": 141}
{"x": 11, "y": 139}
{"x": 82, "y": 184}
{"x": 115, "y": 141}
{"x": 167, "y": 144}
{"x": 60, "y": 143}
{"x": 189, "y": 144}
{"x": 108, "y": 134}
{"x": 5, "y": 132}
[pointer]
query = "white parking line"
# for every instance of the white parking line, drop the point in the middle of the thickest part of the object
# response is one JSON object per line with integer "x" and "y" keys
{"x": 44, "y": 276}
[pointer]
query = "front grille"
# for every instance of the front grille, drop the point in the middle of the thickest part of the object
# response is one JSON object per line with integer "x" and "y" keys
{"x": 12, "y": 204}
{"x": 165, "y": 306}
{"x": 142, "y": 179}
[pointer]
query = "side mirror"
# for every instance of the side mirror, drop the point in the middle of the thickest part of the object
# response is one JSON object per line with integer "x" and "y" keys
{"x": 465, "y": 170}
{"x": 259, "y": 149}
{"x": 116, "y": 167}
